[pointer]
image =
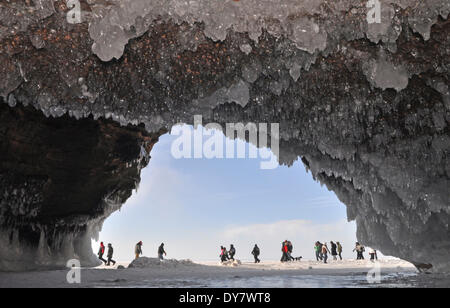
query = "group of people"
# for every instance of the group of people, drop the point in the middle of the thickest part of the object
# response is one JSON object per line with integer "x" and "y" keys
{"x": 109, "y": 255}
{"x": 360, "y": 249}
{"x": 286, "y": 250}
{"x": 138, "y": 250}
{"x": 321, "y": 251}
{"x": 227, "y": 255}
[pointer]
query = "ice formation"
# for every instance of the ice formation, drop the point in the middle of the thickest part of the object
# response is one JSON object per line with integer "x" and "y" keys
{"x": 364, "y": 106}
{"x": 44, "y": 223}
{"x": 115, "y": 25}
{"x": 384, "y": 74}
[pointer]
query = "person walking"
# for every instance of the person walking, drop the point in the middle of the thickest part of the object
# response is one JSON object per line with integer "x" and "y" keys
{"x": 256, "y": 253}
{"x": 359, "y": 251}
{"x": 321, "y": 254}
{"x": 110, "y": 255}
{"x": 101, "y": 252}
{"x": 334, "y": 250}
{"x": 138, "y": 249}
{"x": 339, "y": 250}
{"x": 373, "y": 255}
{"x": 325, "y": 252}
{"x": 363, "y": 249}
{"x": 161, "y": 252}
{"x": 223, "y": 254}
{"x": 290, "y": 249}
{"x": 318, "y": 249}
{"x": 231, "y": 252}
{"x": 284, "y": 250}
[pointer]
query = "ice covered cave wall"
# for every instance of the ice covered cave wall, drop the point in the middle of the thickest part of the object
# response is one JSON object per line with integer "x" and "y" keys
{"x": 365, "y": 106}
{"x": 59, "y": 179}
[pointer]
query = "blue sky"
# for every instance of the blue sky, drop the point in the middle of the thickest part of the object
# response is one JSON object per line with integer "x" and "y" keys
{"x": 196, "y": 205}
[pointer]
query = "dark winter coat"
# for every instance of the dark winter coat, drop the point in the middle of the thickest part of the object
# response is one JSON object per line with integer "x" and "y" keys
{"x": 161, "y": 250}
{"x": 333, "y": 249}
{"x": 110, "y": 252}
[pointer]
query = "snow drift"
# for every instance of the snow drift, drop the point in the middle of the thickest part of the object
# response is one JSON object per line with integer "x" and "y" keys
{"x": 144, "y": 262}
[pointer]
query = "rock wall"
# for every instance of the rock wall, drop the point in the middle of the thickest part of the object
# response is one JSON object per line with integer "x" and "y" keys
{"x": 365, "y": 106}
{"x": 59, "y": 179}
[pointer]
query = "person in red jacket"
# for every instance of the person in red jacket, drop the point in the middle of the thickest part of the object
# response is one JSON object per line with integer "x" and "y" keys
{"x": 101, "y": 252}
{"x": 285, "y": 251}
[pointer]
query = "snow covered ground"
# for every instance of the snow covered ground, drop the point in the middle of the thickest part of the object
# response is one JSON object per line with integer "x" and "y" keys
{"x": 173, "y": 273}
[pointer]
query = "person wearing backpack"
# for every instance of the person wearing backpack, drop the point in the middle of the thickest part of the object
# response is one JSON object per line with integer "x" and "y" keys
{"x": 334, "y": 250}
{"x": 317, "y": 249}
{"x": 223, "y": 254}
{"x": 161, "y": 252}
{"x": 290, "y": 249}
{"x": 359, "y": 251}
{"x": 339, "y": 250}
{"x": 325, "y": 252}
{"x": 373, "y": 255}
{"x": 284, "y": 250}
{"x": 138, "y": 249}
{"x": 110, "y": 255}
{"x": 231, "y": 252}
{"x": 256, "y": 253}
{"x": 101, "y": 252}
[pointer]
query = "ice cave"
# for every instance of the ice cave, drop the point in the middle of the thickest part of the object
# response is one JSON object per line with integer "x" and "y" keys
{"x": 87, "y": 87}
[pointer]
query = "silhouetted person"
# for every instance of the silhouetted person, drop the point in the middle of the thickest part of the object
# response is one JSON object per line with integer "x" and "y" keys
{"x": 290, "y": 249}
{"x": 285, "y": 251}
{"x": 339, "y": 250}
{"x": 325, "y": 252}
{"x": 110, "y": 255}
{"x": 318, "y": 251}
{"x": 161, "y": 252}
{"x": 138, "y": 249}
{"x": 232, "y": 252}
{"x": 334, "y": 250}
{"x": 256, "y": 253}
{"x": 223, "y": 254}
{"x": 373, "y": 255}
{"x": 101, "y": 252}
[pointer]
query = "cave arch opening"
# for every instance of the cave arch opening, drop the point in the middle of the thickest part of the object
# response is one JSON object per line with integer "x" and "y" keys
{"x": 196, "y": 205}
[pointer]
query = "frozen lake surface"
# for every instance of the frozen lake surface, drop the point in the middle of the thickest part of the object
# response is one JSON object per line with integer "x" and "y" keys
{"x": 186, "y": 274}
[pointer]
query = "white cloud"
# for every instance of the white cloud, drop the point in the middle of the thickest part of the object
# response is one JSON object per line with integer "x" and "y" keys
{"x": 302, "y": 233}
{"x": 161, "y": 187}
